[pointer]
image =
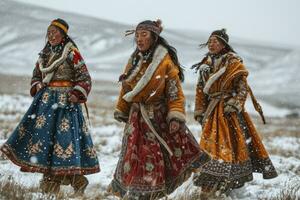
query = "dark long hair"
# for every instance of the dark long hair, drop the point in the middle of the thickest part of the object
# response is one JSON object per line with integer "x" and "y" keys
{"x": 158, "y": 40}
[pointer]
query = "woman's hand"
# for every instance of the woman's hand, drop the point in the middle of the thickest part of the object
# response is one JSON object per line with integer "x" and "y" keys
{"x": 73, "y": 98}
{"x": 120, "y": 117}
{"x": 174, "y": 126}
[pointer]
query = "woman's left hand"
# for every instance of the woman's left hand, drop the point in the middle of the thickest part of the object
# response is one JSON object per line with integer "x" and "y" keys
{"x": 73, "y": 98}
{"x": 174, "y": 126}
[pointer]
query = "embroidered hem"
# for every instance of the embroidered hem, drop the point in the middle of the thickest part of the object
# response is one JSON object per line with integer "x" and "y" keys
{"x": 31, "y": 167}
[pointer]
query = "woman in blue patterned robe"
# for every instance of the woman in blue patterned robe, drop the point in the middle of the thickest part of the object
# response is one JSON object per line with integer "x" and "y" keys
{"x": 53, "y": 137}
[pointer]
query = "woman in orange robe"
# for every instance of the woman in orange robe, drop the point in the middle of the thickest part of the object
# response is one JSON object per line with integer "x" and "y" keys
{"x": 158, "y": 151}
{"x": 228, "y": 134}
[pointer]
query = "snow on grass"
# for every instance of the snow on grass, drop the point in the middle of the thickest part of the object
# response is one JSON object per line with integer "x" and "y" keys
{"x": 14, "y": 103}
{"x": 107, "y": 138}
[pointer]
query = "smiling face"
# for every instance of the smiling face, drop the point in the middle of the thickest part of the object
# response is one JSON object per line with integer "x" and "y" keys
{"x": 143, "y": 39}
{"x": 54, "y": 35}
{"x": 214, "y": 45}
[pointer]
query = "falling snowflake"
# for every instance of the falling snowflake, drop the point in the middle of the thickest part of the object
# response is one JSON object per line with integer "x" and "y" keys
{"x": 33, "y": 159}
{"x": 54, "y": 106}
{"x": 248, "y": 141}
{"x": 32, "y": 116}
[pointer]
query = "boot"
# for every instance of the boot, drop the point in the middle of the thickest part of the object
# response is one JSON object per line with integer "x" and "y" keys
{"x": 48, "y": 185}
{"x": 79, "y": 183}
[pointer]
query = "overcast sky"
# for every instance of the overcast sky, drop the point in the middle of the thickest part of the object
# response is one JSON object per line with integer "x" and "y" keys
{"x": 271, "y": 21}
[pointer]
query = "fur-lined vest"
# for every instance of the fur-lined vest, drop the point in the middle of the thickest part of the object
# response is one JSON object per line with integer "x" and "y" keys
{"x": 65, "y": 66}
{"x": 151, "y": 83}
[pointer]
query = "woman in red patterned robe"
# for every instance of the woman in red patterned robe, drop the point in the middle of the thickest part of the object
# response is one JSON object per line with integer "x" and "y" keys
{"x": 158, "y": 150}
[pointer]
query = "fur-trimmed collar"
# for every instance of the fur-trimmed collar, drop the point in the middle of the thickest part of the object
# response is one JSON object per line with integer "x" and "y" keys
{"x": 221, "y": 63}
{"x": 57, "y": 62}
{"x": 50, "y": 70}
{"x": 137, "y": 68}
{"x": 158, "y": 56}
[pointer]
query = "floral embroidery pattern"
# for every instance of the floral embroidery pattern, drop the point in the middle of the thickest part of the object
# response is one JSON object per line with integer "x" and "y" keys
{"x": 85, "y": 129}
{"x": 45, "y": 97}
{"x": 178, "y": 152}
{"x": 64, "y": 126}
{"x": 21, "y": 131}
{"x": 126, "y": 167}
{"x": 91, "y": 152}
{"x": 172, "y": 90}
{"x": 149, "y": 166}
{"x": 34, "y": 148}
{"x": 40, "y": 121}
{"x": 61, "y": 153}
{"x": 62, "y": 99}
{"x": 150, "y": 136}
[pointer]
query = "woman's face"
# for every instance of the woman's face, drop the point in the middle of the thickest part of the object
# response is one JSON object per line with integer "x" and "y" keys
{"x": 143, "y": 40}
{"x": 54, "y": 35}
{"x": 214, "y": 45}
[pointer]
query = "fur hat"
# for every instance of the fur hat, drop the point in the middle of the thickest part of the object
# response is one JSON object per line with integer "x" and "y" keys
{"x": 223, "y": 36}
{"x": 153, "y": 26}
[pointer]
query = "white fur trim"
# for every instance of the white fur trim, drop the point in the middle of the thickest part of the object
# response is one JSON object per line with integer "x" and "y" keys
{"x": 204, "y": 67}
{"x": 158, "y": 56}
{"x": 57, "y": 62}
{"x": 48, "y": 77}
{"x": 213, "y": 78}
{"x": 81, "y": 89}
{"x": 176, "y": 115}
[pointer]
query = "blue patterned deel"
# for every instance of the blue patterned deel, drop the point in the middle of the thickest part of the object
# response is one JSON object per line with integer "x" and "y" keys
{"x": 53, "y": 137}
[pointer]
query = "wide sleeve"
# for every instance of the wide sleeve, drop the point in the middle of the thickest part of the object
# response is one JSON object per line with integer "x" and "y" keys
{"x": 174, "y": 94}
{"x": 82, "y": 81}
{"x": 240, "y": 96}
{"x": 123, "y": 107}
{"x": 201, "y": 101}
{"x": 36, "y": 79}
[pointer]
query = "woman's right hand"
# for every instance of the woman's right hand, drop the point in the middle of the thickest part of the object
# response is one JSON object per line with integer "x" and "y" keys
{"x": 120, "y": 117}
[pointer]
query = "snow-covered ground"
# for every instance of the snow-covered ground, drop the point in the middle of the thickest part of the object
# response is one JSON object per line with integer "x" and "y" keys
{"x": 284, "y": 150}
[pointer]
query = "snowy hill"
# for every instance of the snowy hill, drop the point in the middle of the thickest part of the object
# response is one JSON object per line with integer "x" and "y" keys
{"x": 106, "y": 50}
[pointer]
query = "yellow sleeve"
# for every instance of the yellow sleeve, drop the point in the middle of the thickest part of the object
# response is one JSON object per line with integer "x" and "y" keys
{"x": 239, "y": 85}
{"x": 174, "y": 94}
{"x": 122, "y": 106}
{"x": 200, "y": 102}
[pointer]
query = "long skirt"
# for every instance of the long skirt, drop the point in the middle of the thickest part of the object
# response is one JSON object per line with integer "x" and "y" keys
{"x": 146, "y": 170}
{"x": 236, "y": 150}
{"x": 52, "y": 137}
